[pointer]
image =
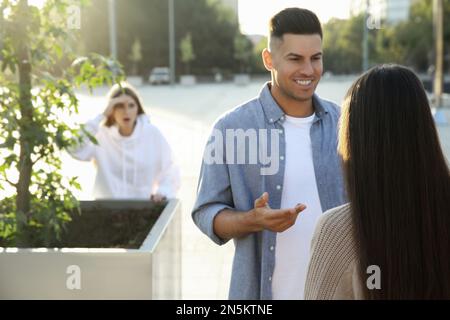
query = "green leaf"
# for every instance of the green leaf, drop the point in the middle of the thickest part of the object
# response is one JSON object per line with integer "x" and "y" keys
{"x": 32, "y": 32}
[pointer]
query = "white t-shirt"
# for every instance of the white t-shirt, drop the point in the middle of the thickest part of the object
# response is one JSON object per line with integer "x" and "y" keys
{"x": 293, "y": 245}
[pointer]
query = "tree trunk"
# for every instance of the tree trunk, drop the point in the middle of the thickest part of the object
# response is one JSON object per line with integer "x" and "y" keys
{"x": 25, "y": 165}
{"x": 26, "y": 109}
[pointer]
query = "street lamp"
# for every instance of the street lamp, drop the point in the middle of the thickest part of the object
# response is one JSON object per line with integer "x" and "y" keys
{"x": 365, "y": 57}
{"x": 172, "y": 42}
{"x": 112, "y": 28}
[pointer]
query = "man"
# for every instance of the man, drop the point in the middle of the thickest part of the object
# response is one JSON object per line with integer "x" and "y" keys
{"x": 256, "y": 205}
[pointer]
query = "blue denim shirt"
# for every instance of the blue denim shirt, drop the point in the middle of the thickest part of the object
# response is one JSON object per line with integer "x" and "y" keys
{"x": 230, "y": 185}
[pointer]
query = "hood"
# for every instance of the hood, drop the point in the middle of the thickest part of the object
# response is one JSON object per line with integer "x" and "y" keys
{"x": 129, "y": 146}
{"x": 142, "y": 121}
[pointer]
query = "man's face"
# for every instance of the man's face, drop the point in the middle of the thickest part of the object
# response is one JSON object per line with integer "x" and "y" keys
{"x": 296, "y": 65}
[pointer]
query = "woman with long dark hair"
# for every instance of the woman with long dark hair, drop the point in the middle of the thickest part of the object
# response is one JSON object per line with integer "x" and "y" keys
{"x": 392, "y": 241}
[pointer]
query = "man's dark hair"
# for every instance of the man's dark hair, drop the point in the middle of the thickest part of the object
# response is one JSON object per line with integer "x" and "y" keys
{"x": 295, "y": 21}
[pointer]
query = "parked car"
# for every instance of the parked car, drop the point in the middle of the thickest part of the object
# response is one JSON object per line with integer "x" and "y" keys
{"x": 159, "y": 75}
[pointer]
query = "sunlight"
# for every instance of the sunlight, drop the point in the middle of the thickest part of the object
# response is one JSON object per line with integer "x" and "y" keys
{"x": 36, "y": 3}
{"x": 254, "y": 18}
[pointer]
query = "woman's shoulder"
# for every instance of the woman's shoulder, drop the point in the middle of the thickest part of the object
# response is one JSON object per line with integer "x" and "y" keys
{"x": 333, "y": 257}
{"x": 338, "y": 218}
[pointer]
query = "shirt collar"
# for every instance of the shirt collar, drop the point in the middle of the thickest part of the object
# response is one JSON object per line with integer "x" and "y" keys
{"x": 273, "y": 111}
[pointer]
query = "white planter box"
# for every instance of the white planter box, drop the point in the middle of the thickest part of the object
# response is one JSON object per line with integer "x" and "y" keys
{"x": 241, "y": 79}
{"x": 151, "y": 272}
{"x": 188, "y": 80}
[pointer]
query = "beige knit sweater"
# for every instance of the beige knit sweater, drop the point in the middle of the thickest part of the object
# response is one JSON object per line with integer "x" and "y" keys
{"x": 332, "y": 272}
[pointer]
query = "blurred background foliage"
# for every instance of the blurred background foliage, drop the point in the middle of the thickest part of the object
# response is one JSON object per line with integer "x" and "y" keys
{"x": 218, "y": 42}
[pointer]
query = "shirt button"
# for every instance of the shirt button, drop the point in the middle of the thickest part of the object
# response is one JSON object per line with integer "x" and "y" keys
{"x": 270, "y": 278}
{"x": 281, "y": 158}
{"x": 271, "y": 248}
{"x": 278, "y": 187}
{"x": 280, "y": 131}
{"x": 271, "y": 120}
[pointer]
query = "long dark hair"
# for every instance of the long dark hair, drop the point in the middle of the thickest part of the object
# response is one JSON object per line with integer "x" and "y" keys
{"x": 398, "y": 184}
{"x": 120, "y": 89}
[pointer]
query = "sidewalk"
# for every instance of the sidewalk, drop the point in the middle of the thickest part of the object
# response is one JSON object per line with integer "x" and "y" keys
{"x": 206, "y": 267}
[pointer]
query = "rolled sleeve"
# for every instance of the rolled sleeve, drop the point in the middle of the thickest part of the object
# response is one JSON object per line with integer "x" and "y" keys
{"x": 213, "y": 195}
{"x": 204, "y": 219}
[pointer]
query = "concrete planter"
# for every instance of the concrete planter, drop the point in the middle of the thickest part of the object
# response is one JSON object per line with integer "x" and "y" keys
{"x": 241, "y": 79}
{"x": 151, "y": 272}
{"x": 188, "y": 80}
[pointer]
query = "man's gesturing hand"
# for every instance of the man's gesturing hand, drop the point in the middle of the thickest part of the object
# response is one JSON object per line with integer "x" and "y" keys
{"x": 229, "y": 224}
{"x": 277, "y": 220}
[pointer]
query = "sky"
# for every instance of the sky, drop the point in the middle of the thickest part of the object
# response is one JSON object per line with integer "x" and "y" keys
{"x": 255, "y": 14}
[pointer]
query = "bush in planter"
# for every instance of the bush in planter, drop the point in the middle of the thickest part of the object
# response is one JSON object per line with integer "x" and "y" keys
{"x": 110, "y": 224}
{"x": 36, "y": 91}
{"x": 102, "y": 224}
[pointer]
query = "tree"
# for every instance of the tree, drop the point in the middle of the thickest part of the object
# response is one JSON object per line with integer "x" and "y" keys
{"x": 187, "y": 51}
{"x": 36, "y": 94}
{"x": 412, "y": 42}
{"x": 258, "y": 65}
{"x": 342, "y": 45}
{"x": 212, "y": 26}
{"x": 243, "y": 50}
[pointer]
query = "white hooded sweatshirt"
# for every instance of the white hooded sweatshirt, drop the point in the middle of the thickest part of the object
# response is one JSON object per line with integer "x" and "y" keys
{"x": 133, "y": 167}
